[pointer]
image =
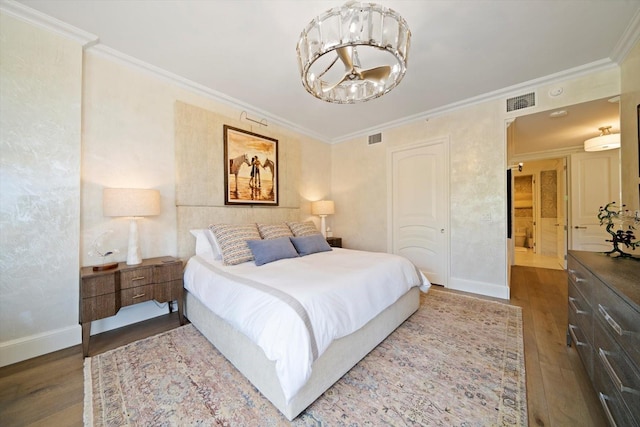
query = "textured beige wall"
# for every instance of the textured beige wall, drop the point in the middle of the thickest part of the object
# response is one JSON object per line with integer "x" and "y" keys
{"x": 629, "y": 100}
{"x": 477, "y": 181}
{"x": 40, "y": 94}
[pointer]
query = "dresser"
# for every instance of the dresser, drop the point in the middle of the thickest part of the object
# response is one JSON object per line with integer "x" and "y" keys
{"x": 604, "y": 328}
{"x": 103, "y": 293}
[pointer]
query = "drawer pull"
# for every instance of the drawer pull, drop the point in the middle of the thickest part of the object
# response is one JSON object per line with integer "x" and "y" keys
{"x": 573, "y": 336}
{"x": 137, "y": 278}
{"x": 572, "y": 304}
{"x": 610, "y": 319}
{"x": 607, "y": 411}
{"x": 137, "y": 296}
{"x": 612, "y": 373}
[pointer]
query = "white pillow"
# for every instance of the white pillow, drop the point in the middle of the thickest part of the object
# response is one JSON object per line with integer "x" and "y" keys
{"x": 206, "y": 245}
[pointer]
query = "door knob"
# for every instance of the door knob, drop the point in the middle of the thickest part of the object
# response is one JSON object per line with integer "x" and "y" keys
{"x": 442, "y": 230}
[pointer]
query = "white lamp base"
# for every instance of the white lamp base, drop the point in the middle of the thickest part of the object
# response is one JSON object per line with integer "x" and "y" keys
{"x": 323, "y": 226}
{"x": 133, "y": 252}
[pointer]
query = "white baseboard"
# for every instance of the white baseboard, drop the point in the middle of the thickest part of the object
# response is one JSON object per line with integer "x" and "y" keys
{"x": 20, "y": 349}
{"x": 482, "y": 288}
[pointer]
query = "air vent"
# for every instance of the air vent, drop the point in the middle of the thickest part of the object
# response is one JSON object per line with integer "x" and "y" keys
{"x": 374, "y": 139}
{"x": 522, "y": 101}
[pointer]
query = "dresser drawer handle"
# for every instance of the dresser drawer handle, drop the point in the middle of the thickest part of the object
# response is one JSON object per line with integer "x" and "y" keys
{"x": 612, "y": 374}
{"x": 133, "y": 279}
{"x": 607, "y": 411}
{"x": 572, "y": 304}
{"x": 610, "y": 319}
{"x": 138, "y": 296}
{"x": 573, "y": 336}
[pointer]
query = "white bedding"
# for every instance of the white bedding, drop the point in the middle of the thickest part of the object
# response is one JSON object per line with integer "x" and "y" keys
{"x": 294, "y": 308}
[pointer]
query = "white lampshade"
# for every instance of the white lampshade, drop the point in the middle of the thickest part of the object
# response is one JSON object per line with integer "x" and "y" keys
{"x": 322, "y": 207}
{"x": 605, "y": 141}
{"x": 131, "y": 202}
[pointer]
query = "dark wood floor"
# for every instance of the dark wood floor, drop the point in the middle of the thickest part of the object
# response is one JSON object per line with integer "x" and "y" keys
{"x": 48, "y": 390}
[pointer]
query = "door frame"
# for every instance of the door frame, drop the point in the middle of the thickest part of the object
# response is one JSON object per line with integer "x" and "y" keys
{"x": 445, "y": 141}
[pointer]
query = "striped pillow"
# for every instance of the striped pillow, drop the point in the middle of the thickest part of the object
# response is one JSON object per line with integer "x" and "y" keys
{"x": 274, "y": 231}
{"x": 300, "y": 229}
{"x": 232, "y": 239}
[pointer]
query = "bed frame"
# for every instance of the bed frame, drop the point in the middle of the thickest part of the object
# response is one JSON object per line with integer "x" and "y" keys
{"x": 247, "y": 357}
{"x": 337, "y": 360}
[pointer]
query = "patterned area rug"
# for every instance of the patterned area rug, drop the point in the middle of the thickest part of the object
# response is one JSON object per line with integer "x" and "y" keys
{"x": 458, "y": 361}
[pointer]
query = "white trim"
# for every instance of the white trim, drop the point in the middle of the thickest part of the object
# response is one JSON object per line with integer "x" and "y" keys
{"x": 38, "y": 344}
{"x": 507, "y": 92}
{"x": 476, "y": 287}
{"x": 201, "y": 90}
{"x": 39, "y": 19}
{"x": 629, "y": 38}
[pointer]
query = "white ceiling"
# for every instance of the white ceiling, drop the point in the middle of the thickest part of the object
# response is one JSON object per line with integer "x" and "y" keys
{"x": 244, "y": 50}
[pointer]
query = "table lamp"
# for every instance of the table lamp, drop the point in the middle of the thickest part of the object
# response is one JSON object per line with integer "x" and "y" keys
{"x": 322, "y": 208}
{"x": 133, "y": 203}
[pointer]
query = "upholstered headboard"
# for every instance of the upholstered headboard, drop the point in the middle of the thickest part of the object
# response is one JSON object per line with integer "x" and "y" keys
{"x": 200, "y": 176}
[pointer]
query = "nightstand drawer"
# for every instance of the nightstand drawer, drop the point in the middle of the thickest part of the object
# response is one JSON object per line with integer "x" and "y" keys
{"x": 98, "y": 285}
{"x": 136, "y": 277}
{"x": 98, "y": 307}
{"x": 135, "y": 295}
{"x": 168, "y": 291}
{"x": 167, "y": 272}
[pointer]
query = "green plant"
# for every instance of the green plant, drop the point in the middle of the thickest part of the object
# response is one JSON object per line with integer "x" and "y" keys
{"x": 620, "y": 224}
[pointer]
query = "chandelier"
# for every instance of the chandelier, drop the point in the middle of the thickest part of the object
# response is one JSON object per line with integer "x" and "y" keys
{"x": 353, "y": 53}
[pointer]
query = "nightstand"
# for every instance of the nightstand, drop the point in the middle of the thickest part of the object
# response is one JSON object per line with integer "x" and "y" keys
{"x": 103, "y": 293}
{"x": 334, "y": 242}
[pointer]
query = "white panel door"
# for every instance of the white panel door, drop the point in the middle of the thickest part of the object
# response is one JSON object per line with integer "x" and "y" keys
{"x": 420, "y": 208}
{"x": 595, "y": 181}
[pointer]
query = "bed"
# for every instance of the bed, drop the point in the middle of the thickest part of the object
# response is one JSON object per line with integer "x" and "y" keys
{"x": 276, "y": 321}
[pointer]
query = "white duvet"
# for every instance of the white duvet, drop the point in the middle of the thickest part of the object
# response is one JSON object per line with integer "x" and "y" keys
{"x": 294, "y": 308}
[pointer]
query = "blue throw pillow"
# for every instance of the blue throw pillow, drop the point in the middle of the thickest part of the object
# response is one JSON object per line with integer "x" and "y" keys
{"x": 307, "y": 245}
{"x": 265, "y": 251}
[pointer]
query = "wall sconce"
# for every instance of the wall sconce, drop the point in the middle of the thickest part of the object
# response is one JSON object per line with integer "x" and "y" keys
{"x": 133, "y": 203}
{"x": 322, "y": 208}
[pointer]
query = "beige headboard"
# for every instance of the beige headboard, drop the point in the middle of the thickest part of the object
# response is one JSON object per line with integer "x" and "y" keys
{"x": 200, "y": 176}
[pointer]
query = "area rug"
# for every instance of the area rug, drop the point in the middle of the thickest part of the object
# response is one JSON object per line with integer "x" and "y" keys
{"x": 458, "y": 361}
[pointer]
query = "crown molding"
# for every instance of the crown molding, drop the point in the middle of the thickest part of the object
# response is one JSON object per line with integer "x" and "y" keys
{"x": 629, "y": 39}
{"x": 39, "y": 19}
{"x": 199, "y": 89}
{"x": 531, "y": 85}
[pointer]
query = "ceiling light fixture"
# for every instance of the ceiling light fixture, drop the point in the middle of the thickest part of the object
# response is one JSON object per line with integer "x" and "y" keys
{"x": 605, "y": 141}
{"x": 372, "y": 43}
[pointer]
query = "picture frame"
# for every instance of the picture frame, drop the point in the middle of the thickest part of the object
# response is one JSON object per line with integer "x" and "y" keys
{"x": 250, "y": 168}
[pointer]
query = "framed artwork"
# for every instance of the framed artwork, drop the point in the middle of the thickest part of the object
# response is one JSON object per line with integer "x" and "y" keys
{"x": 250, "y": 168}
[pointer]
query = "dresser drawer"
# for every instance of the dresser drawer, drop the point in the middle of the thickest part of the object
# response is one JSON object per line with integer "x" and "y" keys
{"x": 614, "y": 407}
{"x": 98, "y": 285}
{"x": 581, "y": 341}
{"x": 136, "y": 277}
{"x": 617, "y": 371}
{"x": 167, "y": 272}
{"x": 619, "y": 319}
{"x": 580, "y": 311}
{"x": 581, "y": 277}
{"x": 135, "y": 295}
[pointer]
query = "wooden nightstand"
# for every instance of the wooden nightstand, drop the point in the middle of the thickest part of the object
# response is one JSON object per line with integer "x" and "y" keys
{"x": 103, "y": 293}
{"x": 334, "y": 242}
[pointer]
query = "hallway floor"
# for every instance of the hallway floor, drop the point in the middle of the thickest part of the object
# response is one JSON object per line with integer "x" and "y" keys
{"x": 530, "y": 259}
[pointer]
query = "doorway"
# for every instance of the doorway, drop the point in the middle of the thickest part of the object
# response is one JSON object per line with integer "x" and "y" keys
{"x": 539, "y": 214}
{"x": 419, "y": 207}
